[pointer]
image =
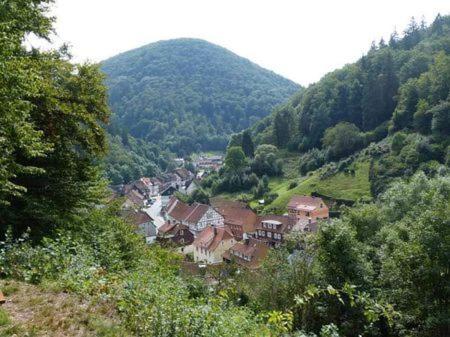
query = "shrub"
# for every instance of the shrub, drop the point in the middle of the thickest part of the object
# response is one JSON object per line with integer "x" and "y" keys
{"x": 292, "y": 184}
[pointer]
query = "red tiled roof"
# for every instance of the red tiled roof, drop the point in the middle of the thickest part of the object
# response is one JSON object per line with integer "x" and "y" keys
{"x": 178, "y": 210}
{"x": 167, "y": 227}
{"x": 236, "y": 213}
{"x": 253, "y": 248}
{"x": 182, "y": 212}
{"x": 211, "y": 237}
{"x": 197, "y": 212}
{"x": 171, "y": 228}
{"x": 304, "y": 200}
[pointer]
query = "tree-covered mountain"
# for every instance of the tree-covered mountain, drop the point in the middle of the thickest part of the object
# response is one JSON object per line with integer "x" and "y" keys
{"x": 399, "y": 90}
{"x": 187, "y": 95}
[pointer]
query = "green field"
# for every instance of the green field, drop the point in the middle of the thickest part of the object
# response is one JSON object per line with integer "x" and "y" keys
{"x": 338, "y": 186}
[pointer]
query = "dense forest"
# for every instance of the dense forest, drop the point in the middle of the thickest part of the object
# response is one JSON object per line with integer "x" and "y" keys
{"x": 380, "y": 270}
{"x": 397, "y": 93}
{"x": 188, "y": 95}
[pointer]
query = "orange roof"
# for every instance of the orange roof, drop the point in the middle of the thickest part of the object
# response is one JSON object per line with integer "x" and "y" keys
{"x": 305, "y": 202}
{"x": 211, "y": 237}
{"x": 167, "y": 227}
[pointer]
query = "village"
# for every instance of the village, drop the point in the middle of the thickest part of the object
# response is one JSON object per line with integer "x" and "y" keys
{"x": 221, "y": 231}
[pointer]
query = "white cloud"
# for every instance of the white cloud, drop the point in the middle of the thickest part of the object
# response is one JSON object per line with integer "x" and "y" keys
{"x": 299, "y": 39}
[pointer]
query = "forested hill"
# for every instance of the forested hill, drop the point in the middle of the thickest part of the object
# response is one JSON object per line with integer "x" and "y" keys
{"x": 187, "y": 94}
{"x": 382, "y": 87}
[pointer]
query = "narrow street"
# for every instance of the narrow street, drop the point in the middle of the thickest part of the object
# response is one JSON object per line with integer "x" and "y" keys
{"x": 154, "y": 211}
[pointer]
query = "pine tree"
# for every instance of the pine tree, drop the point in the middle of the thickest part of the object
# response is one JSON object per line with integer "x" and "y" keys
{"x": 247, "y": 144}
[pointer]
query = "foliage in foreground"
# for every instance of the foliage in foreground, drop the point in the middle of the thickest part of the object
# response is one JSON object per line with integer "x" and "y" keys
{"x": 394, "y": 251}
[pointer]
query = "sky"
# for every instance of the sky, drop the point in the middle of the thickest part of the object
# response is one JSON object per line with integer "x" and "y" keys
{"x": 299, "y": 39}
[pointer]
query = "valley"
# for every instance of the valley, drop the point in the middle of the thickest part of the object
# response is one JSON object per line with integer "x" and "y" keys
{"x": 180, "y": 190}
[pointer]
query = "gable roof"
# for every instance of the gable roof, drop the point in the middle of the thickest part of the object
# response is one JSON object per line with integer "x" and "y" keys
{"x": 177, "y": 209}
{"x": 135, "y": 197}
{"x": 211, "y": 237}
{"x": 305, "y": 202}
{"x": 183, "y": 212}
{"x": 183, "y": 173}
{"x": 236, "y": 213}
{"x": 286, "y": 222}
{"x": 171, "y": 227}
{"x": 197, "y": 212}
{"x": 255, "y": 249}
{"x": 137, "y": 217}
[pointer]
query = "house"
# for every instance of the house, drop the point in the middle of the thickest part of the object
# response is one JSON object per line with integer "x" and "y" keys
{"x": 272, "y": 229}
{"x": 145, "y": 186}
{"x": 134, "y": 200}
{"x": 240, "y": 219}
{"x": 250, "y": 253}
{"x": 184, "y": 175}
{"x": 305, "y": 207}
{"x": 143, "y": 224}
{"x": 170, "y": 179}
{"x": 211, "y": 243}
{"x": 197, "y": 216}
{"x": 176, "y": 234}
{"x": 212, "y": 163}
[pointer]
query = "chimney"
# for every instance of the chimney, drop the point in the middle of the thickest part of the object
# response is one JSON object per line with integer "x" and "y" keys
{"x": 309, "y": 220}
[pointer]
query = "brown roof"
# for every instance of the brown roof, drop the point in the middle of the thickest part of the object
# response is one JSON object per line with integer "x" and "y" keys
{"x": 304, "y": 200}
{"x": 135, "y": 197}
{"x": 137, "y": 217}
{"x": 183, "y": 173}
{"x": 211, "y": 237}
{"x": 178, "y": 209}
{"x": 236, "y": 213}
{"x": 254, "y": 249}
{"x": 183, "y": 212}
{"x": 167, "y": 227}
{"x": 197, "y": 212}
{"x": 171, "y": 228}
{"x": 286, "y": 223}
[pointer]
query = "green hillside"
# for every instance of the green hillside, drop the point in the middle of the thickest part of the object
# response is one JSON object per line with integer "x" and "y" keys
{"x": 400, "y": 88}
{"x": 187, "y": 95}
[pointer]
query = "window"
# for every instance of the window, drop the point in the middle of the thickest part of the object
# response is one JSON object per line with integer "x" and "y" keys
{"x": 181, "y": 240}
{"x": 263, "y": 233}
{"x": 181, "y": 232}
{"x": 269, "y": 234}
